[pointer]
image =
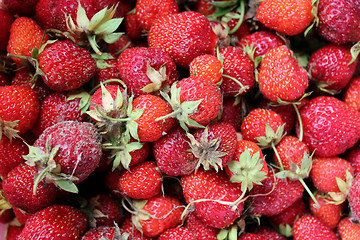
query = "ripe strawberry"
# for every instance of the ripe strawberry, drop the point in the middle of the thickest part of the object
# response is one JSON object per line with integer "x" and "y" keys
{"x": 22, "y": 8}
{"x": 232, "y": 112}
{"x": 326, "y": 170}
{"x": 206, "y": 66}
{"x": 172, "y": 155}
{"x": 204, "y": 7}
{"x": 128, "y": 227}
{"x": 142, "y": 181}
{"x": 25, "y": 35}
{"x": 311, "y": 228}
{"x": 290, "y": 18}
{"x": 268, "y": 232}
{"x": 148, "y": 11}
{"x": 238, "y": 72}
{"x": 281, "y": 193}
{"x": 21, "y": 215}
{"x": 281, "y": 76}
{"x": 107, "y": 68}
{"x": 168, "y": 33}
{"x": 201, "y": 230}
{"x": 146, "y": 70}
{"x": 18, "y": 189}
{"x": 333, "y": 26}
{"x": 5, "y": 25}
{"x": 100, "y": 233}
{"x": 13, "y": 231}
{"x": 180, "y": 233}
{"x": 347, "y": 229}
{"x": 110, "y": 181}
{"x": 353, "y": 156}
{"x": 166, "y": 211}
{"x": 329, "y": 125}
{"x": 351, "y": 93}
{"x": 329, "y": 213}
{"x": 212, "y": 187}
{"x": 132, "y": 27}
{"x": 66, "y": 65}
{"x": 251, "y": 236}
{"x": 19, "y": 109}
{"x": 56, "y": 108}
{"x": 329, "y": 67}
{"x": 55, "y": 221}
{"x": 353, "y": 198}
{"x": 124, "y": 42}
{"x": 262, "y": 41}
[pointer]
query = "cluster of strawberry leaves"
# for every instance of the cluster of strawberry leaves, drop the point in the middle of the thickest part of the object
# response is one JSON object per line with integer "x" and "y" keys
{"x": 233, "y": 119}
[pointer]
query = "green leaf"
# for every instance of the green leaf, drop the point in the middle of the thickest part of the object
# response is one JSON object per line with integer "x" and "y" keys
{"x": 112, "y": 37}
{"x": 67, "y": 185}
{"x": 109, "y": 26}
{"x": 355, "y": 50}
{"x": 96, "y": 19}
{"x": 81, "y": 17}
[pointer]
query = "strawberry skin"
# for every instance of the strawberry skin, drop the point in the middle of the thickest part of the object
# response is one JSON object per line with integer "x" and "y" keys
{"x": 6, "y": 19}
{"x": 311, "y": 228}
{"x": 354, "y": 198}
{"x": 281, "y": 76}
{"x": 289, "y": 215}
{"x": 20, "y": 7}
{"x": 180, "y": 233}
{"x": 201, "y": 230}
{"x": 66, "y": 66}
{"x": 351, "y": 94}
{"x": 184, "y": 36}
{"x": 347, "y": 229}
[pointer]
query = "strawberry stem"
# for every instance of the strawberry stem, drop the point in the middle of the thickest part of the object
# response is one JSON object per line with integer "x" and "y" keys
{"x": 316, "y": 204}
{"x": 277, "y": 155}
{"x": 301, "y": 133}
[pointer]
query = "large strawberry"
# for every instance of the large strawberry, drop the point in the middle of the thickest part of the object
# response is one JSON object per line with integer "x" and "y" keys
{"x": 329, "y": 126}
{"x": 184, "y": 36}
{"x": 309, "y": 227}
{"x": 5, "y": 25}
{"x": 347, "y": 229}
{"x": 286, "y": 17}
{"x": 217, "y": 201}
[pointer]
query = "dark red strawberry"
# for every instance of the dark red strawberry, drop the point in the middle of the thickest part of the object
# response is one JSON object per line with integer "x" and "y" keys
{"x": 251, "y": 236}
{"x": 268, "y": 232}
{"x": 107, "y": 68}
{"x": 311, "y": 228}
{"x": 20, "y": 7}
{"x": 132, "y": 27}
{"x": 168, "y": 33}
{"x": 124, "y": 42}
{"x": 105, "y": 233}
{"x": 5, "y": 25}
{"x": 353, "y": 156}
{"x": 232, "y": 112}
{"x": 201, "y": 230}
{"x": 180, "y": 233}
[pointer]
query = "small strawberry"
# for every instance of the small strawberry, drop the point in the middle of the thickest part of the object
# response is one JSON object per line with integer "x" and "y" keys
{"x": 168, "y": 33}
{"x": 5, "y": 26}
{"x": 353, "y": 198}
{"x": 290, "y": 18}
{"x": 329, "y": 125}
{"x": 148, "y": 11}
{"x": 217, "y": 201}
{"x": 206, "y": 66}
{"x": 352, "y": 92}
{"x": 142, "y": 181}
{"x": 311, "y": 228}
{"x": 281, "y": 76}
{"x": 347, "y": 229}
{"x": 201, "y": 230}
{"x": 180, "y": 233}
{"x": 55, "y": 221}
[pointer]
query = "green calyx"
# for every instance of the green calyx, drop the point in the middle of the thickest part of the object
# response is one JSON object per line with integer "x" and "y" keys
{"x": 344, "y": 187}
{"x": 102, "y": 26}
{"x": 8, "y": 129}
{"x": 230, "y": 233}
{"x": 314, "y": 12}
{"x": 285, "y": 230}
{"x": 84, "y": 97}
{"x": 156, "y": 77}
{"x": 271, "y": 136}
{"x": 354, "y": 50}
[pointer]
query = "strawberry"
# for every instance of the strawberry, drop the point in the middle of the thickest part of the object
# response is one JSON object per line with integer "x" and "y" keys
{"x": 329, "y": 125}
{"x": 13, "y": 231}
{"x": 201, "y": 230}
{"x": 238, "y": 72}
{"x": 128, "y": 227}
{"x": 290, "y": 18}
{"x": 5, "y": 26}
{"x": 311, "y": 228}
{"x": 353, "y": 198}
{"x": 66, "y": 65}
{"x": 351, "y": 93}
{"x": 180, "y": 233}
{"x": 146, "y": 70}
{"x": 329, "y": 67}
{"x": 56, "y": 108}
{"x": 55, "y": 221}
{"x": 172, "y": 155}
{"x": 148, "y": 11}
{"x": 22, "y": 8}
{"x": 268, "y": 232}
{"x": 183, "y": 36}
{"x": 251, "y": 236}
{"x": 21, "y": 215}
{"x": 157, "y": 214}
{"x": 107, "y": 68}
{"x": 19, "y": 109}
{"x": 353, "y": 156}
{"x": 25, "y": 35}
{"x": 132, "y": 27}
{"x": 232, "y": 112}
{"x": 204, "y": 189}
{"x": 110, "y": 181}
{"x": 333, "y": 27}
{"x": 142, "y": 181}
{"x": 18, "y": 189}
{"x": 281, "y": 77}
{"x": 206, "y": 66}
{"x": 329, "y": 213}
{"x": 124, "y": 42}
{"x": 103, "y": 233}
{"x": 347, "y": 229}
{"x": 204, "y": 7}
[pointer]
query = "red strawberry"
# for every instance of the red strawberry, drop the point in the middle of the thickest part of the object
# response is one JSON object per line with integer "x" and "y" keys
{"x": 55, "y": 221}
{"x": 180, "y": 233}
{"x": 18, "y": 189}
{"x": 128, "y": 227}
{"x": 290, "y": 18}
{"x": 146, "y": 70}
{"x": 22, "y": 8}
{"x": 19, "y": 109}
{"x": 232, "y": 112}
{"x": 124, "y": 42}
{"x": 166, "y": 210}
{"x": 56, "y": 108}
{"x": 148, "y": 11}
{"x": 353, "y": 156}
{"x": 329, "y": 67}
{"x": 347, "y": 229}
{"x": 201, "y": 230}
{"x": 132, "y": 26}
{"x": 107, "y": 68}
{"x": 311, "y": 228}
{"x": 206, "y": 66}
{"x": 238, "y": 72}
{"x": 13, "y": 231}
{"x": 212, "y": 187}
{"x": 25, "y": 35}
{"x": 205, "y": 7}
{"x": 21, "y": 215}
{"x": 168, "y": 33}
{"x": 329, "y": 125}
{"x": 353, "y": 198}
{"x": 352, "y": 92}
{"x": 268, "y": 232}
{"x": 110, "y": 181}
{"x": 281, "y": 76}
{"x": 5, "y": 25}
{"x": 142, "y": 181}
{"x": 251, "y": 236}
{"x": 66, "y": 65}
{"x": 100, "y": 233}
{"x": 333, "y": 26}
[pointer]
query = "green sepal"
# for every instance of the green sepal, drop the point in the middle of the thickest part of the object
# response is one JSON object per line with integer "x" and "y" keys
{"x": 285, "y": 230}
{"x": 84, "y": 97}
{"x": 271, "y": 136}
{"x": 354, "y": 50}
{"x": 66, "y": 185}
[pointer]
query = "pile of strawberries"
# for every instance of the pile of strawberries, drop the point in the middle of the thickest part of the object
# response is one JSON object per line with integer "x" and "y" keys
{"x": 192, "y": 119}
